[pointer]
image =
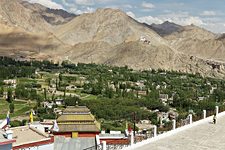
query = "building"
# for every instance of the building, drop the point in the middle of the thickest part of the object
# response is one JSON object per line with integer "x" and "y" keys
{"x": 48, "y": 104}
{"x": 63, "y": 143}
{"x": 143, "y": 93}
{"x": 44, "y": 126}
{"x": 10, "y": 81}
{"x": 71, "y": 87}
{"x": 144, "y": 125}
{"x": 31, "y": 138}
{"x": 59, "y": 101}
{"x": 114, "y": 138}
{"x": 6, "y": 140}
{"x": 164, "y": 98}
{"x": 77, "y": 121}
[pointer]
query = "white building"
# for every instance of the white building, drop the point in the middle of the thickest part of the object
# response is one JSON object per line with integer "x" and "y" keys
{"x": 59, "y": 101}
{"x": 30, "y": 138}
{"x": 44, "y": 126}
{"x": 10, "y": 81}
{"x": 6, "y": 140}
{"x": 48, "y": 105}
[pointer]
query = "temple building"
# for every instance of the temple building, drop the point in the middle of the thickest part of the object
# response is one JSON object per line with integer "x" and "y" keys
{"x": 77, "y": 121}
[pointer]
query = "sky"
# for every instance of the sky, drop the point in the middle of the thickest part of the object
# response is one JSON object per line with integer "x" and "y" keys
{"x": 208, "y": 14}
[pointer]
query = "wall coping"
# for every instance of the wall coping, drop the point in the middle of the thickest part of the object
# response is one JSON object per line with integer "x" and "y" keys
{"x": 173, "y": 132}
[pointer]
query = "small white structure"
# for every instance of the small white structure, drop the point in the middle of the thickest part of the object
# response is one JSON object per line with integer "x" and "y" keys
{"x": 57, "y": 111}
{"x": 190, "y": 118}
{"x": 71, "y": 87}
{"x": 217, "y": 110}
{"x": 157, "y": 87}
{"x": 10, "y": 81}
{"x": 164, "y": 97}
{"x": 201, "y": 98}
{"x": 48, "y": 105}
{"x": 174, "y": 124}
{"x": 144, "y": 40}
{"x": 59, "y": 101}
{"x": 42, "y": 126}
{"x": 140, "y": 85}
{"x": 204, "y": 114}
{"x": 155, "y": 131}
{"x": 6, "y": 140}
{"x": 212, "y": 90}
{"x": 145, "y": 121}
{"x": 164, "y": 116}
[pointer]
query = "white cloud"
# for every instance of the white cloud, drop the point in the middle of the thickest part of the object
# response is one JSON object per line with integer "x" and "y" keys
{"x": 104, "y": 1}
{"x": 192, "y": 20}
{"x": 127, "y": 6}
{"x": 215, "y": 25}
{"x": 66, "y": 3}
{"x": 147, "y": 5}
{"x": 86, "y": 10}
{"x": 181, "y": 18}
{"x": 85, "y": 2}
{"x": 131, "y": 14}
{"x": 150, "y": 20}
{"x": 208, "y": 13}
{"x": 47, "y": 3}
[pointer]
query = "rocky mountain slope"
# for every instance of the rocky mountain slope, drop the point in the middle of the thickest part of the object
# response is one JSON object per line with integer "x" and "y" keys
{"x": 165, "y": 28}
{"x": 24, "y": 30}
{"x": 106, "y": 36}
{"x": 51, "y": 16}
{"x": 109, "y": 25}
{"x": 198, "y": 42}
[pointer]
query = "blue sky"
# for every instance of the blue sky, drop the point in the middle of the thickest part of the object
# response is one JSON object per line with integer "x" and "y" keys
{"x": 205, "y": 13}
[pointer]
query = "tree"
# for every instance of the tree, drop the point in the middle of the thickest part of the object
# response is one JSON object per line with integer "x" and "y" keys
{"x": 45, "y": 94}
{"x": 60, "y": 77}
{"x": 11, "y": 107}
{"x": 1, "y": 91}
{"x": 21, "y": 91}
{"x": 9, "y": 96}
{"x": 64, "y": 94}
{"x": 71, "y": 101}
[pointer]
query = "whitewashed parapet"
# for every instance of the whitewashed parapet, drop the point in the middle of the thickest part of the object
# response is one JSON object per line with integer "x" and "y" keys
{"x": 173, "y": 132}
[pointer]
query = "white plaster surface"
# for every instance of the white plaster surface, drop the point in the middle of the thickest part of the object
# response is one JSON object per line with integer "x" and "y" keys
{"x": 200, "y": 135}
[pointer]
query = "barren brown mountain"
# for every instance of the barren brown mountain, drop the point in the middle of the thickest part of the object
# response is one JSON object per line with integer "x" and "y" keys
{"x": 198, "y": 42}
{"x": 24, "y": 30}
{"x": 106, "y": 36}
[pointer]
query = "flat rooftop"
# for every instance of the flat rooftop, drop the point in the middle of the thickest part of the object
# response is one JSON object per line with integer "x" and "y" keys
{"x": 204, "y": 136}
{"x": 3, "y": 140}
{"x": 26, "y": 135}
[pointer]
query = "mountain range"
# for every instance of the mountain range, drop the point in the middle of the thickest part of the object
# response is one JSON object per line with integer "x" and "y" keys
{"x": 107, "y": 36}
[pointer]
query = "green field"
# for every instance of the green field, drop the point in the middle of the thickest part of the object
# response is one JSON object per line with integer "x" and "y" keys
{"x": 4, "y": 107}
{"x": 20, "y": 108}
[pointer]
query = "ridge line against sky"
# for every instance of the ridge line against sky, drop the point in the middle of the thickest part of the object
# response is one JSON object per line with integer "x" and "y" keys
{"x": 204, "y": 13}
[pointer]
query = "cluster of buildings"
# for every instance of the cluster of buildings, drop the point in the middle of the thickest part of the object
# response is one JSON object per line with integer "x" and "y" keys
{"x": 75, "y": 128}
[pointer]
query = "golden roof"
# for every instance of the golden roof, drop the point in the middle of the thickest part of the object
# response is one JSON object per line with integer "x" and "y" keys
{"x": 76, "y": 109}
{"x": 78, "y": 128}
{"x": 76, "y": 117}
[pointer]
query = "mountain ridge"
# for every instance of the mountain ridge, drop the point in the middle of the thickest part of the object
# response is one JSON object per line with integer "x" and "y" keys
{"x": 107, "y": 36}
